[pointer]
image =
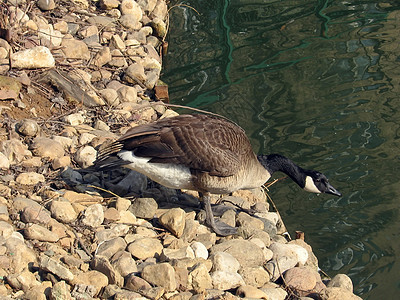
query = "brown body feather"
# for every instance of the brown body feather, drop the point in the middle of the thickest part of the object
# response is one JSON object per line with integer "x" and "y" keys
{"x": 217, "y": 152}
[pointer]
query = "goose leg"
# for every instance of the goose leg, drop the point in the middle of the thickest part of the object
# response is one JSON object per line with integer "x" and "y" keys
{"x": 219, "y": 227}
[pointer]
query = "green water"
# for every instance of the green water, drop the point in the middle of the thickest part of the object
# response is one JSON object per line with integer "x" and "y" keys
{"x": 317, "y": 81}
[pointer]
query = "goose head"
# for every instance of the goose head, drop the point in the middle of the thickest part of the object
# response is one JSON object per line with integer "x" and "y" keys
{"x": 317, "y": 182}
{"x": 309, "y": 180}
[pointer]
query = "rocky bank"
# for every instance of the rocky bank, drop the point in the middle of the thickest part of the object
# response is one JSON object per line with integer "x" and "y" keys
{"x": 76, "y": 74}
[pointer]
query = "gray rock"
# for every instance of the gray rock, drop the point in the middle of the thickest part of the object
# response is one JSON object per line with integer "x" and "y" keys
{"x": 27, "y": 127}
{"x": 124, "y": 263}
{"x": 103, "y": 265}
{"x": 174, "y": 221}
{"x": 243, "y": 219}
{"x": 60, "y": 290}
{"x": 72, "y": 175}
{"x": 145, "y": 248}
{"x": 229, "y": 217}
{"x": 40, "y": 233}
{"x": 254, "y": 276}
{"x": 46, "y": 4}
{"x": 144, "y": 208}
{"x": 331, "y": 293}
{"x": 222, "y": 261}
{"x": 63, "y": 211}
{"x": 53, "y": 266}
{"x": 109, "y": 248}
{"x": 162, "y": 275}
{"x": 342, "y": 281}
{"x": 279, "y": 265}
{"x": 244, "y": 251}
{"x": 93, "y": 215}
{"x": 207, "y": 239}
{"x": 133, "y": 182}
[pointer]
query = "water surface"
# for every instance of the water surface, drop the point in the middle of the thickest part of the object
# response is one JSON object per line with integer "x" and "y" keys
{"x": 317, "y": 81}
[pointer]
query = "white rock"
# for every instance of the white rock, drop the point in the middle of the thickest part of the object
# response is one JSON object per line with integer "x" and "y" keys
{"x": 93, "y": 215}
{"x": 199, "y": 250}
{"x": 74, "y": 119}
{"x": 4, "y": 162}
{"x": 72, "y": 175}
{"x": 289, "y": 250}
{"x": 223, "y": 261}
{"x": 223, "y": 280}
{"x": 37, "y": 57}
{"x": 130, "y": 7}
{"x": 85, "y": 156}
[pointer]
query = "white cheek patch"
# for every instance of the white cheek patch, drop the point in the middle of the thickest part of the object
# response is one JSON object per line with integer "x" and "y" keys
{"x": 310, "y": 186}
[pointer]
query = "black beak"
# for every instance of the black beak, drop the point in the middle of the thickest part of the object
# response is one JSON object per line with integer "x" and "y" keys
{"x": 331, "y": 190}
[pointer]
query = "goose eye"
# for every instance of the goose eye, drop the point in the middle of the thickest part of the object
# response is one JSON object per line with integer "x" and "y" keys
{"x": 318, "y": 180}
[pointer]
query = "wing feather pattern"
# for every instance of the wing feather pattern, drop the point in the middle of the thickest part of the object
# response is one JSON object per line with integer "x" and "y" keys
{"x": 200, "y": 142}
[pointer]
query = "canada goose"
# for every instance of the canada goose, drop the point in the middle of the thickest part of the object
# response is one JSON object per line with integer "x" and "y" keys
{"x": 206, "y": 154}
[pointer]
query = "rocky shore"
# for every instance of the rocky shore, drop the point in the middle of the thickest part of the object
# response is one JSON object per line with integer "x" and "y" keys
{"x": 78, "y": 73}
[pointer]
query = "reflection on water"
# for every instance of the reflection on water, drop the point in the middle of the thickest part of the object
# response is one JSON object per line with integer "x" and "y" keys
{"x": 317, "y": 81}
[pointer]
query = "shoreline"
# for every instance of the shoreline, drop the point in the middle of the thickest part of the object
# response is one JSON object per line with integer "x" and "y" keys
{"x": 74, "y": 76}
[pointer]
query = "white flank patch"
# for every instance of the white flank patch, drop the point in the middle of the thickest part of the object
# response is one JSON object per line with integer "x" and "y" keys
{"x": 310, "y": 186}
{"x": 169, "y": 175}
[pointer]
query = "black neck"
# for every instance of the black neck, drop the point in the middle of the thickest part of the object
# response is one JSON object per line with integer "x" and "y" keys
{"x": 276, "y": 162}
